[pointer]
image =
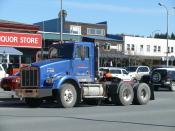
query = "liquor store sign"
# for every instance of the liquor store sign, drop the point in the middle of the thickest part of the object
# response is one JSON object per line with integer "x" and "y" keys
{"x": 20, "y": 40}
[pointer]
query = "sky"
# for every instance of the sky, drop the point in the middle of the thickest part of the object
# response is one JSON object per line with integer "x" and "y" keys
{"x": 132, "y": 17}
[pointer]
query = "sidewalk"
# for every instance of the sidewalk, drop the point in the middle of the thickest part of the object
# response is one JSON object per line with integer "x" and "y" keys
{"x": 7, "y": 94}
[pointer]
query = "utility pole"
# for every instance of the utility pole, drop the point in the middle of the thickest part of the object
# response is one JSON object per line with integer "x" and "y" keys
{"x": 167, "y": 59}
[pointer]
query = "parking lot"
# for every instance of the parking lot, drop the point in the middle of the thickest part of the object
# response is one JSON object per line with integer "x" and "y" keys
{"x": 158, "y": 115}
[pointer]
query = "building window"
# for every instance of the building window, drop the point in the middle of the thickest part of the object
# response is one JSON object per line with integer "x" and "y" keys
{"x": 107, "y": 46}
{"x": 168, "y": 49}
{"x": 171, "y": 49}
{"x": 159, "y": 49}
{"x": 155, "y": 48}
{"x": 26, "y": 59}
{"x": 93, "y": 31}
{"x": 128, "y": 47}
{"x": 119, "y": 47}
{"x": 141, "y": 47}
{"x": 3, "y": 58}
{"x": 148, "y": 48}
{"x": 75, "y": 30}
{"x": 132, "y": 47}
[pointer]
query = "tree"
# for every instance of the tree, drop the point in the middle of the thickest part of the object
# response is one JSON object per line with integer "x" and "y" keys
{"x": 172, "y": 36}
{"x": 164, "y": 36}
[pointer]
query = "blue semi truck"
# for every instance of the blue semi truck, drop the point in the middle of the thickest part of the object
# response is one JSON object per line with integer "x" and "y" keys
{"x": 70, "y": 75}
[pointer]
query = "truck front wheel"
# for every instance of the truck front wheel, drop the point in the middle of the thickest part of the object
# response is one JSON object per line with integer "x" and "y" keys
{"x": 124, "y": 95}
{"x": 33, "y": 102}
{"x": 67, "y": 96}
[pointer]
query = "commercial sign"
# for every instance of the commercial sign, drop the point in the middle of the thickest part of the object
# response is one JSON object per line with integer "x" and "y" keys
{"x": 20, "y": 40}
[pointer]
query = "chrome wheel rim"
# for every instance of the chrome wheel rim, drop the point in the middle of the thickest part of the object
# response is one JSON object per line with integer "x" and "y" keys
{"x": 143, "y": 94}
{"x": 173, "y": 86}
{"x": 68, "y": 95}
{"x": 127, "y": 95}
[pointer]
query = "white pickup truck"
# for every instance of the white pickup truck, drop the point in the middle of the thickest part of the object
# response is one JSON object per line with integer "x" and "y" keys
{"x": 136, "y": 72}
{"x": 2, "y": 72}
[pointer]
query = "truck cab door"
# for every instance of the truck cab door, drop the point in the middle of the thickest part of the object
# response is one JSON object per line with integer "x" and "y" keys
{"x": 81, "y": 63}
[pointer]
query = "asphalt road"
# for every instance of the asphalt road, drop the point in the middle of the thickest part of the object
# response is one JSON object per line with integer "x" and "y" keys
{"x": 158, "y": 115}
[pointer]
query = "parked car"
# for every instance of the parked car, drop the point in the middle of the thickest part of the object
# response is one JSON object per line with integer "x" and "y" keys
{"x": 136, "y": 72}
{"x": 11, "y": 82}
{"x": 163, "y": 77}
{"x": 117, "y": 73}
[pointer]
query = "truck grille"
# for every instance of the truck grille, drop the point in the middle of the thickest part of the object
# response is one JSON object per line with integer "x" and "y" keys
{"x": 29, "y": 77}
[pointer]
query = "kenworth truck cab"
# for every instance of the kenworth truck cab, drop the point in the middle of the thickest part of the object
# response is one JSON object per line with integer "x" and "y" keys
{"x": 70, "y": 76}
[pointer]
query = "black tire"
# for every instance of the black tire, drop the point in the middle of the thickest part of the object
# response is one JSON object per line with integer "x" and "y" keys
{"x": 67, "y": 96}
{"x": 172, "y": 86}
{"x": 142, "y": 94}
{"x": 124, "y": 95}
{"x": 145, "y": 79}
{"x": 156, "y": 77}
{"x": 33, "y": 102}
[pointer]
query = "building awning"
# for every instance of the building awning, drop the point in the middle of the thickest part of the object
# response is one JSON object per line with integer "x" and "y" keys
{"x": 144, "y": 57}
{"x": 112, "y": 54}
{"x": 10, "y": 51}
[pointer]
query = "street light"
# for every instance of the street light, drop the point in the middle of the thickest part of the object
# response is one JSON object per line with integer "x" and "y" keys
{"x": 167, "y": 60}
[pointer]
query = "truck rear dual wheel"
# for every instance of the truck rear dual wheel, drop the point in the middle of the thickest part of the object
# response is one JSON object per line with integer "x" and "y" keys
{"x": 142, "y": 94}
{"x": 33, "y": 102}
{"x": 67, "y": 96}
{"x": 124, "y": 95}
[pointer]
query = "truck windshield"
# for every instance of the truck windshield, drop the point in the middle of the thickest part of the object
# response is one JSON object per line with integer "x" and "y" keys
{"x": 61, "y": 51}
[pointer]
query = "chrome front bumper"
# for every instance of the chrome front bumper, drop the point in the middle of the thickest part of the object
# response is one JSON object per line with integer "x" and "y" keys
{"x": 33, "y": 93}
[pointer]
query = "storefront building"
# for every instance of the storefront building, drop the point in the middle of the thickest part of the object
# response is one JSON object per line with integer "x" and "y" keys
{"x": 19, "y": 44}
{"x": 148, "y": 51}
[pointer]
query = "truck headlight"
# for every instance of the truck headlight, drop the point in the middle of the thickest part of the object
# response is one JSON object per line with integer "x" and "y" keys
{"x": 16, "y": 80}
